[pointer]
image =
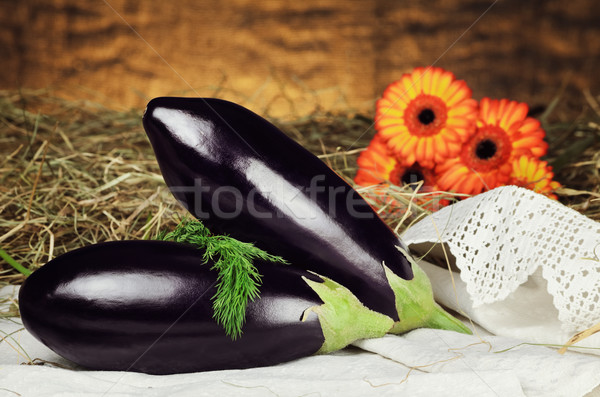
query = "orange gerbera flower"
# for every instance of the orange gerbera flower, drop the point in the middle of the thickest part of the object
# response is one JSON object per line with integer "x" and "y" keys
{"x": 379, "y": 166}
{"x": 534, "y": 174}
{"x": 504, "y": 133}
{"x": 375, "y": 164}
{"x": 426, "y": 116}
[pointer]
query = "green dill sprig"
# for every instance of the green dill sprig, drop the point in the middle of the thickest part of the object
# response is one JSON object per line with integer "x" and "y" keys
{"x": 238, "y": 280}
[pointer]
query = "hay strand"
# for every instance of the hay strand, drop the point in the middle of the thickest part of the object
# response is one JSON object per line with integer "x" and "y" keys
{"x": 74, "y": 173}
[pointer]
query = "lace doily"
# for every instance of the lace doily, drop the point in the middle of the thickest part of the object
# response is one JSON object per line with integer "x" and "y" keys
{"x": 501, "y": 237}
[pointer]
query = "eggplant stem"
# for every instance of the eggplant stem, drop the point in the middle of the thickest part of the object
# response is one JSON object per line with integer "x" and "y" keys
{"x": 416, "y": 305}
{"x": 441, "y": 319}
{"x": 16, "y": 265}
{"x": 343, "y": 318}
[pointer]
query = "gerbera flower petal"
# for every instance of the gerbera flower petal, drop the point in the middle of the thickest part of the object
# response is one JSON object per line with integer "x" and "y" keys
{"x": 463, "y": 92}
{"x": 427, "y": 79}
{"x": 454, "y": 146}
{"x": 444, "y": 82}
{"x": 503, "y": 134}
{"x": 516, "y": 113}
{"x": 435, "y": 106}
{"x": 435, "y": 82}
{"x": 484, "y": 110}
{"x": 462, "y": 110}
{"x": 422, "y": 148}
{"x": 532, "y": 145}
{"x": 393, "y": 94}
{"x": 441, "y": 147}
{"x": 374, "y": 163}
{"x": 502, "y": 105}
{"x": 378, "y": 167}
{"x": 471, "y": 183}
{"x": 411, "y": 88}
{"x": 458, "y": 176}
{"x": 534, "y": 174}
{"x": 451, "y": 91}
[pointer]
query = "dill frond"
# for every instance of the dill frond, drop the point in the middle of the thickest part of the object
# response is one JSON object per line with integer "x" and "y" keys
{"x": 238, "y": 280}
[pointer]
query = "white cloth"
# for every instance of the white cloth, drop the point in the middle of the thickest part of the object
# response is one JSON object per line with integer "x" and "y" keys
{"x": 502, "y": 286}
{"x": 528, "y": 265}
{"x": 447, "y": 364}
{"x": 444, "y": 363}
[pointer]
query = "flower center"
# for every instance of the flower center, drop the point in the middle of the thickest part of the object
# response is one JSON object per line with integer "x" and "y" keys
{"x": 425, "y": 115}
{"x": 488, "y": 149}
{"x": 411, "y": 176}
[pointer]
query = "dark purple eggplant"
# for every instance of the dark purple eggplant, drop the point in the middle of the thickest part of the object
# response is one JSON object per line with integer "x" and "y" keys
{"x": 242, "y": 176}
{"x": 146, "y": 306}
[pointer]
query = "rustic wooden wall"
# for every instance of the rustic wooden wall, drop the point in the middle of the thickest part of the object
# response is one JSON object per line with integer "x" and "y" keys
{"x": 286, "y": 57}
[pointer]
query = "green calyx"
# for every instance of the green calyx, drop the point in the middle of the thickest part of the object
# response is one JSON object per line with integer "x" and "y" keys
{"x": 416, "y": 305}
{"x": 238, "y": 280}
{"x": 343, "y": 318}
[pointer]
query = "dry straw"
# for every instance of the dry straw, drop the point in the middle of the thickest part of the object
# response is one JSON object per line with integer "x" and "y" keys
{"x": 76, "y": 173}
{"x": 73, "y": 174}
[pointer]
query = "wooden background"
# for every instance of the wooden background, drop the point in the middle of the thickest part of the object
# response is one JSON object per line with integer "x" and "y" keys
{"x": 285, "y": 58}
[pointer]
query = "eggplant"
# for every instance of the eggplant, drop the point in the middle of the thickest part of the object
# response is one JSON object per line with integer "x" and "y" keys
{"x": 145, "y": 306}
{"x": 242, "y": 176}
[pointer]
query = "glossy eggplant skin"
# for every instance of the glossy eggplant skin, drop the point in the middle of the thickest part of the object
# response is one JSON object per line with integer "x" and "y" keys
{"x": 242, "y": 176}
{"x": 146, "y": 306}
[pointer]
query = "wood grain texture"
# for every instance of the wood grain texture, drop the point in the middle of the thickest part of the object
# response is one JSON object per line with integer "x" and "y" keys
{"x": 285, "y": 58}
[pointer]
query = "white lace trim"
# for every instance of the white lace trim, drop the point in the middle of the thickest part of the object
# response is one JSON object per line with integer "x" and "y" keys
{"x": 499, "y": 238}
